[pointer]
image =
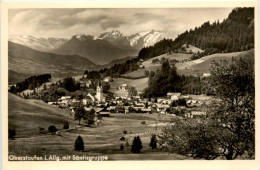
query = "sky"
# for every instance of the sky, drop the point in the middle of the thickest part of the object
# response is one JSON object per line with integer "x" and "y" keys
{"x": 64, "y": 23}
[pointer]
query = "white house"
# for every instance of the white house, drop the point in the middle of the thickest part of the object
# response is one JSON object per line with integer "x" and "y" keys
{"x": 186, "y": 97}
{"x": 141, "y": 66}
{"x": 205, "y": 74}
{"x": 65, "y": 97}
{"x": 173, "y": 96}
{"x": 87, "y": 100}
{"x": 108, "y": 79}
{"x": 123, "y": 87}
{"x": 166, "y": 101}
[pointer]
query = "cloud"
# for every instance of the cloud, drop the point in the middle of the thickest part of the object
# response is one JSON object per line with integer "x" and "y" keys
{"x": 111, "y": 24}
{"x": 94, "y": 21}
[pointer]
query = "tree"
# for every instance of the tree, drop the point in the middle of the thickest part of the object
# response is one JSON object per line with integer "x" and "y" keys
{"x": 235, "y": 87}
{"x": 13, "y": 89}
{"x": 11, "y": 133}
{"x": 190, "y": 138}
{"x": 70, "y": 84}
{"x": 146, "y": 104}
{"x": 228, "y": 129}
{"x": 52, "y": 129}
{"x": 106, "y": 87}
{"x": 80, "y": 113}
{"x": 30, "y": 87}
{"x": 79, "y": 144}
{"x": 127, "y": 144}
{"x": 124, "y": 131}
{"x": 153, "y": 142}
{"x": 90, "y": 116}
{"x": 121, "y": 147}
{"x": 132, "y": 91}
{"x": 66, "y": 125}
{"x": 137, "y": 145}
{"x": 44, "y": 86}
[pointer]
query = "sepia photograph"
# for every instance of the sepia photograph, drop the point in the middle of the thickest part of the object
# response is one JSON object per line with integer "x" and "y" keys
{"x": 131, "y": 84}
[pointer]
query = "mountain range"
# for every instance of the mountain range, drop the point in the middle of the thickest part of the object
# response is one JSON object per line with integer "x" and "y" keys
{"x": 101, "y": 50}
{"x": 81, "y": 52}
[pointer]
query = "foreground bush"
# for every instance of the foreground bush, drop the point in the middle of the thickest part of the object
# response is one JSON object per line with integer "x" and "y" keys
{"x": 137, "y": 145}
{"x": 79, "y": 144}
{"x": 153, "y": 142}
{"x": 52, "y": 129}
{"x": 66, "y": 125}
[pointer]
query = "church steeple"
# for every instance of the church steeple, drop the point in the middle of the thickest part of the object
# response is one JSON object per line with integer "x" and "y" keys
{"x": 99, "y": 95}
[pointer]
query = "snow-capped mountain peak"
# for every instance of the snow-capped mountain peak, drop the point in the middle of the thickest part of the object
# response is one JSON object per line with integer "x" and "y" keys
{"x": 83, "y": 37}
{"x": 38, "y": 43}
{"x": 148, "y": 37}
{"x": 113, "y": 34}
{"x": 115, "y": 38}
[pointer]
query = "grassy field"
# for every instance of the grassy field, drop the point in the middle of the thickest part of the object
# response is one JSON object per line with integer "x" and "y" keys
{"x": 203, "y": 64}
{"x": 177, "y": 56}
{"x": 140, "y": 73}
{"x": 26, "y": 116}
{"x": 139, "y": 84}
{"x": 193, "y": 49}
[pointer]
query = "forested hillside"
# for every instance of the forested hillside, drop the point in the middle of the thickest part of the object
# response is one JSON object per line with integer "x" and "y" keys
{"x": 236, "y": 33}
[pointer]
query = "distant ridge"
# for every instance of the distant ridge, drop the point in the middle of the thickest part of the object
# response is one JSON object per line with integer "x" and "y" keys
{"x": 24, "y": 60}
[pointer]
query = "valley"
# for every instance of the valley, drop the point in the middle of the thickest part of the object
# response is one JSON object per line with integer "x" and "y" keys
{"x": 137, "y": 95}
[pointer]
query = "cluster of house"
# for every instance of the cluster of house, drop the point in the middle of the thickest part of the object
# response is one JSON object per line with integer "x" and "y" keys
{"x": 125, "y": 104}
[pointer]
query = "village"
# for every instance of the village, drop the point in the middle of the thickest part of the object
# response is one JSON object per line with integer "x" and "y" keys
{"x": 122, "y": 102}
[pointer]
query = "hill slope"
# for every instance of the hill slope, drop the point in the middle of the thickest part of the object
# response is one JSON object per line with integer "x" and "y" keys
{"x": 236, "y": 33}
{"x": 193, "y": 67}
{"x": 26, "y": 116}
{"x": 203, "y": 64}
{"x": 28, "y": 61}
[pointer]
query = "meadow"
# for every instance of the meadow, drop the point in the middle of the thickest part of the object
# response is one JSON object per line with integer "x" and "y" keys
{"x": 26, "y": 116}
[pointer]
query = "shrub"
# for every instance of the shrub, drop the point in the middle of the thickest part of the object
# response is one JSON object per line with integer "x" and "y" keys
{"x": 137, "y": 145}
{"x": 121, "y": 147}
{"x": 122, "y": 138}
{"x": 66, "y": 125}
{"x": 153, "y": 142}
{"x": 79, "y": 144}
{"x": 52, "y": 129}
{"x": 125, "y": 132}
{"x": 143, "y": 122}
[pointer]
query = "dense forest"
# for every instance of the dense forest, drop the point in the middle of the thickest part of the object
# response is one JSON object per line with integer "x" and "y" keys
{"x": 30, "y": 83}
{"x": 236, "y": 33}
{"x": 168, "y": 80}
{"x": 114, "y": 71}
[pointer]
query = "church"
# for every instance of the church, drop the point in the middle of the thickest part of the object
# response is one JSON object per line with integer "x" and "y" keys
{"x": 99, "y": 95}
